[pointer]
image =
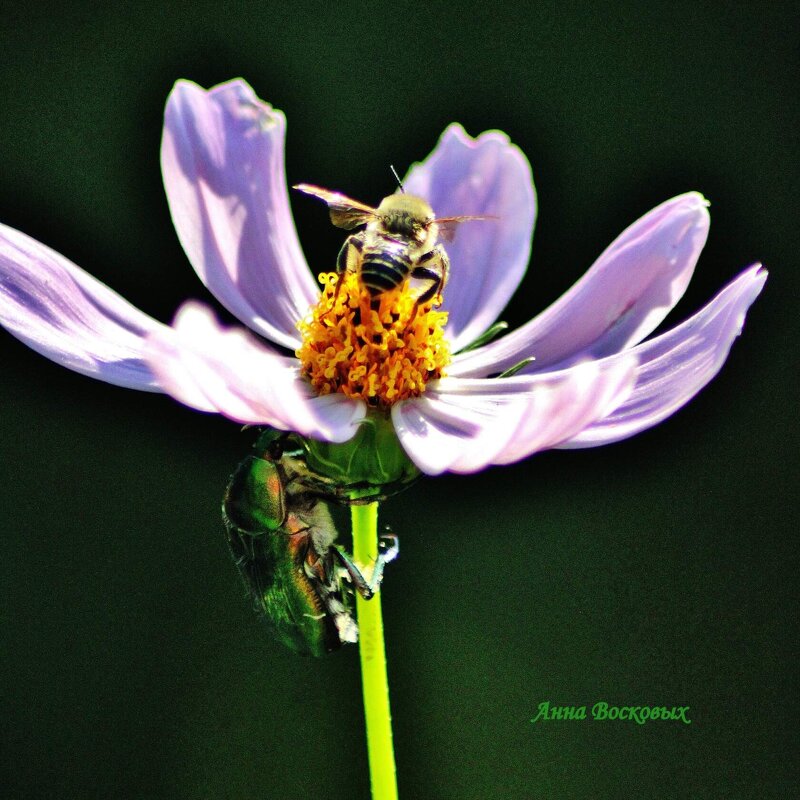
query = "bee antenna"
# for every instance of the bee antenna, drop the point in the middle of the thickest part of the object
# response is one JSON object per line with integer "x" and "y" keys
{"x": 397, "y": 178}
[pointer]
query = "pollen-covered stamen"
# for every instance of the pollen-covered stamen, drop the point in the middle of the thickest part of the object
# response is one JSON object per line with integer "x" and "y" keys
{"x": 374, "y": 348}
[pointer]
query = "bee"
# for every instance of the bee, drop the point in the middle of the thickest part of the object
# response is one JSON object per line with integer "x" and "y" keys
{"x": 400, "y": 240}
{"x": 282, "y": 538}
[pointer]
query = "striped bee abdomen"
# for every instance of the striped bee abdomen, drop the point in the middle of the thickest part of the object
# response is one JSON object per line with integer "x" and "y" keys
{"x": 383, "y": 268}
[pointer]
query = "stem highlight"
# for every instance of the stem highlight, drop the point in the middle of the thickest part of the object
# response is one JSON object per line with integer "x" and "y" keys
{"x": 372, "y": 651}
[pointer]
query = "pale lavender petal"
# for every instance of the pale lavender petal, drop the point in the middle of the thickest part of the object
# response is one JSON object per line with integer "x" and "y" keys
{"x": 466, "y": 425}
{"x": 621, "y": 299}
{"x": 675, "y": 366}
{"x": 436, "y": 434}
{"x": 67, "y": 315}
{"x": 484, "y": 176}
{"x": 222, "y": 161}
{"x": 212, "y": 368}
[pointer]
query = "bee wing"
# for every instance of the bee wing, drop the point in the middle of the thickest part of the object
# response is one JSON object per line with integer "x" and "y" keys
{"x": 345, "y": 212}
{"x": 449, "y": 225}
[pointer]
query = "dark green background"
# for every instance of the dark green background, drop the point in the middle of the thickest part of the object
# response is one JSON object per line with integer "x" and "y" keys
{"x": 659, "y": 571}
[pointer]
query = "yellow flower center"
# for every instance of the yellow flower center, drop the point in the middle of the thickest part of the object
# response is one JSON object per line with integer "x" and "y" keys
{"x": 376, "y": 349}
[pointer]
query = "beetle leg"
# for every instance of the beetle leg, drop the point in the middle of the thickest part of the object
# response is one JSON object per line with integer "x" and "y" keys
{"x": 390, "y": 547}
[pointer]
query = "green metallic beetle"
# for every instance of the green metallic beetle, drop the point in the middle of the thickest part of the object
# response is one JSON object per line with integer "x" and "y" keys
{"x": 282, "y": 538}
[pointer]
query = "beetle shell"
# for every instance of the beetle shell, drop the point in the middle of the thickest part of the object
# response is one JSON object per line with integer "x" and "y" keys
{"x": 281, "y": 537}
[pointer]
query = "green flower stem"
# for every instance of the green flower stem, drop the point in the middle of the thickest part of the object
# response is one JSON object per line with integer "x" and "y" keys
{"x": 373, "y": 662}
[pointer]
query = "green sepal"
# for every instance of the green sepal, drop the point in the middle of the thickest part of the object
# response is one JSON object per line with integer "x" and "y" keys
{"x": 517, "y": 367}
{"x": 370, "y": 466}
{"x": 486, "y": 336}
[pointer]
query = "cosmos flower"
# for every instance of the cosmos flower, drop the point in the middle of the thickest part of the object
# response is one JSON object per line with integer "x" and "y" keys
{"x": 584, "y": 375}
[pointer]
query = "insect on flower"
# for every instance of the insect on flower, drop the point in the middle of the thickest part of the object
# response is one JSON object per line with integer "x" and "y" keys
{"x": 436, "y": 378}
{"x": 399, "y": 242}
{"x": 282, "y": 538}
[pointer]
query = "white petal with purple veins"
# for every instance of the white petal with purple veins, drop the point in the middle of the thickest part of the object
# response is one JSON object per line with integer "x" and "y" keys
{"x": 675, "y": 366}
{"x": 622, "y": 298}
{"x": 212, "y": 368}
{"x": 483, "y": 176}
{"x": 437, "y": 434}
{"x": 222, "y": 160}
{"x": 67, "y": 315}
{"x": 465, "y": 425}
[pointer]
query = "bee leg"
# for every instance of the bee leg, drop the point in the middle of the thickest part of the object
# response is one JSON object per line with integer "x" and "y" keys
{"x": 347, "y": 261}
{"x": 437, "y": 284}
{"x": 390, "y": 547}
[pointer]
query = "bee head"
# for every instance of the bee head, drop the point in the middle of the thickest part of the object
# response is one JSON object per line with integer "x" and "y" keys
{"x": 408, "y": 216}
